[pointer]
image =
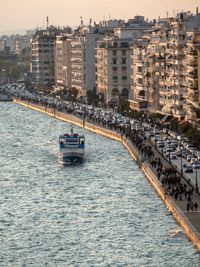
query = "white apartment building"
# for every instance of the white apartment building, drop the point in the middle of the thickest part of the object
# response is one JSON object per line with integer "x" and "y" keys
{"x": 63, "y": 78}
{"x": 83, "y": 60}
{"x": 42, "y": 56}
{"x": 175, "y": 54}
{"x": 167, "y": 71}
{"x": 192, "y": 74}
{"x": 138, "y": 93}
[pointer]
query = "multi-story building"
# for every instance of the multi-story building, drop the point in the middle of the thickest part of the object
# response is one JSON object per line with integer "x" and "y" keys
{"x": 192, "y": 75}
{"x": 176, "y": 59}
{"x": 113, "y": 59}
{"x": 63, "y": 78}
{"x": 138, "y": 92}
{"x": 21, "y": 43}
{"x": 43, "y": 55}
{"x": 83, "y": 60}
{"x": 166, "y": 67}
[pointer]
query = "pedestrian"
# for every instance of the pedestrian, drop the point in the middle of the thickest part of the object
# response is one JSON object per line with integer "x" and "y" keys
{"x": 195, "y": 206}
{"x": 188, "y": 206}
{"x": 185, "y": 193}
{"x": 189, "y": 198}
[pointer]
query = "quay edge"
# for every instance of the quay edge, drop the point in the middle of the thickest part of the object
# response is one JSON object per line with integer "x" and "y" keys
{"x": 188, "y": 228}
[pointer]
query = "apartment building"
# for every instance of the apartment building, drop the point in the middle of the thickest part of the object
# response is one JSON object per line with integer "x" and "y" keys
{"x": 42, "y": 56}
{"x": 192, "y": 74}
{"x": 164, "y": 71}
{"x": 113, "y": 59}
{"x": 138, "y": 92}
{"x": 83, "y": 59}
{"x": 63, "y": 78}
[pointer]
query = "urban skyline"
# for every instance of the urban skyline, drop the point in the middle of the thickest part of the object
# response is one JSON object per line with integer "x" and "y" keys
{"x": 33, "y": 17}
{"x": 69, "y": 197}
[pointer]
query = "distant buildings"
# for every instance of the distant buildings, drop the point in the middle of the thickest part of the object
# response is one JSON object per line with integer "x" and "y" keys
{"x": 16, "y": 43}
{"x": 43, "y": 55}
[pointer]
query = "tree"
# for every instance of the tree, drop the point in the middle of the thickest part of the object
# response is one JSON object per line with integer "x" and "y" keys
{"x": 51, "y": 69}
{"x": 14, "y": 72}
{"x": 92, "y": 97}
{"x": 124, "y": 105}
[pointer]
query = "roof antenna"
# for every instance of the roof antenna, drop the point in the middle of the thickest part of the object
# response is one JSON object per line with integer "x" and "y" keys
{"x": 167, "y": 13}
{"x": 81, "y": 20}
{"x": 47, "y": 22}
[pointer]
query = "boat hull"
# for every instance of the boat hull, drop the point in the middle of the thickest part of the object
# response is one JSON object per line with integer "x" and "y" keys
{"x": 70, "y": 158}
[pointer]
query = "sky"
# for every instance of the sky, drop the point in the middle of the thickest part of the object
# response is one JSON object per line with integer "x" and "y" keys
{"x": 29, "y": 14}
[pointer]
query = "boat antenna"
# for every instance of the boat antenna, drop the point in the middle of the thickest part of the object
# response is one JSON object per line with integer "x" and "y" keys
{"x": 72, "y": 129}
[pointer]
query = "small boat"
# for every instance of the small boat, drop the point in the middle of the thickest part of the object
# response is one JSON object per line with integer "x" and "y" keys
{"x": 72, "y": 147}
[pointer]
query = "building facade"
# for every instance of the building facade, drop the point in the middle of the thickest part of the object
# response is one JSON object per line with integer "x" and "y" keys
{"x": 83, "y": 60}
{"x": 63, "y": 62}
{"x": 113, "y": 59}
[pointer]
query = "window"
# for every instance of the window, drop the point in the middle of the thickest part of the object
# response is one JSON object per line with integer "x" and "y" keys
{"x": 114, "y": 68}
{"x": 114, "y": 52}
{"x": 123, "y": 60}
{"x": 124, "y": 44}
{"x": 124, "y": 78}
{"x": 123, "y": 52}
{"x": 140, "y": 81}
{"x": 114, "y": 61}
{"x": 124, "y": 68}
{"x": 115, "y": 78}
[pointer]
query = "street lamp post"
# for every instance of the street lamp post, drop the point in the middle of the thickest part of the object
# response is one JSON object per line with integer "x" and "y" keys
{"x": 162, "y": 142}
{"x": 197, "y": 189}
{"x": 181, "y": 162}
{"x": 169, "y": 152}
{"x": 155, "y": 144}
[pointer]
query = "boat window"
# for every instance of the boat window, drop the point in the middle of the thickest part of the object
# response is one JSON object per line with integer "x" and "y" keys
{"x": 82, "y": 141}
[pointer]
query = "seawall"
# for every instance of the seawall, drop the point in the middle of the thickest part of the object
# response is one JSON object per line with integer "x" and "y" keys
{"x": 178, "y": 214}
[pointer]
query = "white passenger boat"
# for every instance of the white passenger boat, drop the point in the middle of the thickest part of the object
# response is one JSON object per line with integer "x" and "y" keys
{"x": 71, "y": 147}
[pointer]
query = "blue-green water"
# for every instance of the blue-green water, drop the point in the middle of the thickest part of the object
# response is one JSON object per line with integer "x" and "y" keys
{"x": 100, "y": 213}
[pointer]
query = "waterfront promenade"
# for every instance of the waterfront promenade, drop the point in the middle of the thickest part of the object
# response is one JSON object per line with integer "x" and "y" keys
{"x": 172, "y": 190}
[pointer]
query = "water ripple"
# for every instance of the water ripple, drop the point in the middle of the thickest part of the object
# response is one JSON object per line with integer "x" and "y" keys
{"x": 100, "y": 213}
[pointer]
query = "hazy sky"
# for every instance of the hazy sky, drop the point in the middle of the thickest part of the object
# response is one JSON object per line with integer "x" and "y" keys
{"x": 28, "y": 14}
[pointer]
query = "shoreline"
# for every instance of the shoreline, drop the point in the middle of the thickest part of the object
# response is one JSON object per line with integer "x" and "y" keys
{"x": 177, "y": 213}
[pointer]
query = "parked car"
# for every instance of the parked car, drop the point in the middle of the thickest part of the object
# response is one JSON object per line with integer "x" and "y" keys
{"x": 193, "y": 160}
{"x": 196, "y": 165}
{"x": 189, "y": 157}
{"x": 173, "y": 156}
{"x": 188, "y": 169}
